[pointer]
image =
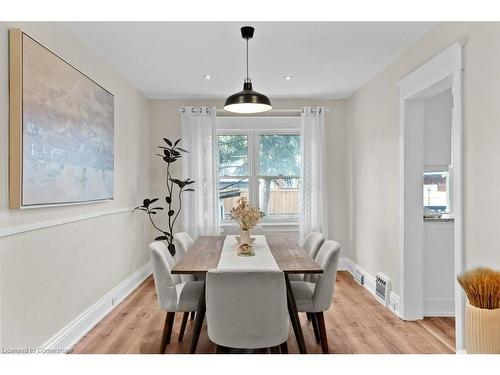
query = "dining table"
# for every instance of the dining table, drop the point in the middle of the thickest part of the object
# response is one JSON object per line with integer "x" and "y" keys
{"x": 205, "y": 254}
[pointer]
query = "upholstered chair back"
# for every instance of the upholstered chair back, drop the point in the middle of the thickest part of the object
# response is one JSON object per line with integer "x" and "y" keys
{"x": 328, "y": 259}
{"x": 183, "y": 242}
{"x": 246, "y": 309}
{"x": 165, "y": 282}
{"x": 313, "y": 242}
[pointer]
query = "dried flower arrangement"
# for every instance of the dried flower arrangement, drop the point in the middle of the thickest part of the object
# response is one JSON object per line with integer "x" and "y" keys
{"x": 245, "y": 214}
{"x": 482, "y": 287}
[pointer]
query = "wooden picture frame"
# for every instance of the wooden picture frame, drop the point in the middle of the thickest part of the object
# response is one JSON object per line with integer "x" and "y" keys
{"x": 15, "y": 116}
{"x": 47, "y": 166}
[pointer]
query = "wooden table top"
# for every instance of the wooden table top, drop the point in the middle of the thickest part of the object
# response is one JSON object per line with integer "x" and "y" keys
{"x": 205, "y": 252}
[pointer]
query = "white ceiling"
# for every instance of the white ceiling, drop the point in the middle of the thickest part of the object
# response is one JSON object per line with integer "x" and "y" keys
{"x": 326, "y": 59}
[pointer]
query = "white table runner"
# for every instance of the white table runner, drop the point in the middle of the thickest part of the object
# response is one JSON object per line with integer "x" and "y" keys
{"x": 262, "y": 260}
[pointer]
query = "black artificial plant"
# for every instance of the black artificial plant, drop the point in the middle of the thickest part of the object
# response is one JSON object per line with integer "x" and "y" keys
{"x": 171, "y": 153}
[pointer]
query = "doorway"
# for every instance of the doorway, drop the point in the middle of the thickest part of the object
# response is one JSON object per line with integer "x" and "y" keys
{"x": 433, "y": 82}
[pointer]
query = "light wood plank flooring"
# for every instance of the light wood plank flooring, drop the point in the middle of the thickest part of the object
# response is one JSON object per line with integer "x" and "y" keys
{"x": 356, "y": 323}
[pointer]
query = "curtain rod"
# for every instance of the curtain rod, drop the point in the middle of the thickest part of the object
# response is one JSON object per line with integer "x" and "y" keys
{"x": 272, "y": 112}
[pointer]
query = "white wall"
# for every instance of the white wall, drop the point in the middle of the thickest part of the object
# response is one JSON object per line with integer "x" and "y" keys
{"x": 51, "y": 275}
{"x": 165, "y": 122}
{"x": 439, "y": 269}
{"x": 373, "y": 137}
{"x": 437, "y": 129}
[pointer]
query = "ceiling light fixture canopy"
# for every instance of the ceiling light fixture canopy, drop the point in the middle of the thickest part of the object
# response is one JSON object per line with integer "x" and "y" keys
{"x": 248, "y": 100}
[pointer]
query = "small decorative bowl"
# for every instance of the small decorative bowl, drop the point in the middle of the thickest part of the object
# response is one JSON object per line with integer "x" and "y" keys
{"x": 245, "y": 250}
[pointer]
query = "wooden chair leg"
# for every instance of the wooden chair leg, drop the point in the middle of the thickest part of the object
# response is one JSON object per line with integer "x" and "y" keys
{"x": 193, "y": 313}
{"x": 275, "y": 349}
{"x": 167, "y": 331}
{"x": 322, "y": 330}
{"x": 284, "y": 348}
{"x": 315, "y": 328}
{"x": 185, "y": 317}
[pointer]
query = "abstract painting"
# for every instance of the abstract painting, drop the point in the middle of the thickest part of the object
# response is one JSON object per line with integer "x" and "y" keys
{"x": 67, "y": 132}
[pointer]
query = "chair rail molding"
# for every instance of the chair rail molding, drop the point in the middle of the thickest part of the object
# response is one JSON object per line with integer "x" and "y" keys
{"x": 21, "y": 228}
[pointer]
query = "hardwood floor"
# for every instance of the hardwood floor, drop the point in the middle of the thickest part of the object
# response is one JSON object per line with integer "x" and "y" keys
{"x": 356, "y": 323}
{"x": 442, "y": 328}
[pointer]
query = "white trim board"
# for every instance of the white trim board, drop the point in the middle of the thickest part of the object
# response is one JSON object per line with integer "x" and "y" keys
{"x": 68, "y": 336}
{"x": 441, "y": 72}
{"x": 346, "y": 264}
{"x": 439, "y": 307}
{"x": 16, "y": 229}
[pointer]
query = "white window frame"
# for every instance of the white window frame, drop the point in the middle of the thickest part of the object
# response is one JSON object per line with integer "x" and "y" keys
{"x": 253, "y": 128}
{"x": 448, "y": 194}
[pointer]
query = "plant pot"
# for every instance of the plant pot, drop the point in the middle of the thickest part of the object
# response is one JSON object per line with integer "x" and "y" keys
{"x": 482, "y": 330}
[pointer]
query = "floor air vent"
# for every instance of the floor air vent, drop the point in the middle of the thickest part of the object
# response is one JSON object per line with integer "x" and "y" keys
{"x": 383, "y": 288}
{"x": 359, "y": 277}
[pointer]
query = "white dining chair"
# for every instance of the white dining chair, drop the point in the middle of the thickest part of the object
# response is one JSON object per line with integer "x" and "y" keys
{"x": 316, "y": 297}
{"x": 182, "y": 242}
{"x": 172, "y": 293}
{"x": 313, "y": 242}
{"x": 247, "y": 309}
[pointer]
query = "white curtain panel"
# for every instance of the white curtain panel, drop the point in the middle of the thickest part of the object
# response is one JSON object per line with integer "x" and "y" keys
{"x": 200, "y": 212}
{"x": 313, "y": 215}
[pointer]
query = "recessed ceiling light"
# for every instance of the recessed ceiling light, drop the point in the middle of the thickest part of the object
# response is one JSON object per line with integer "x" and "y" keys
{"x": 207, "y": 76}
{"x": 288, "y": 78}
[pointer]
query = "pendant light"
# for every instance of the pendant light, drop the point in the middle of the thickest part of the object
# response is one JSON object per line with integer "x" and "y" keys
{"x": 248, "y": 100}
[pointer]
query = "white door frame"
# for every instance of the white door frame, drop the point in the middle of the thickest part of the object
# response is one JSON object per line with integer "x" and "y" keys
{"x": 443, "y": 69}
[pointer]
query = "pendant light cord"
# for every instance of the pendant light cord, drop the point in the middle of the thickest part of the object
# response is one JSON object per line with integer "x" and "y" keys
{"x": 247, "y": 60}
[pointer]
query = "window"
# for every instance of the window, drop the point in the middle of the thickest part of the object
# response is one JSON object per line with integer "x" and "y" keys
{"x": 233, "y": 171}
{"x": 264, "y": 166}
{"x": 436, "y": 192}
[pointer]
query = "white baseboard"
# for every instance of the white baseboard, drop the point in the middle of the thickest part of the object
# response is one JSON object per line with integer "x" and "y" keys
{"x": 439, "y": 307}
{"x": 346, "y": 264}
{"x": 67, "y": 337}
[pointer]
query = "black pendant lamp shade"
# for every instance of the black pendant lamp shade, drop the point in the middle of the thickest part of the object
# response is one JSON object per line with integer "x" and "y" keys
{"x": 248, "y": 100}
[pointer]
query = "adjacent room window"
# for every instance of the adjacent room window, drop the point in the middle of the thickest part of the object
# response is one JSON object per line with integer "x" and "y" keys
{"x": 436, "y": 192}
{"x": 263, "y": 166}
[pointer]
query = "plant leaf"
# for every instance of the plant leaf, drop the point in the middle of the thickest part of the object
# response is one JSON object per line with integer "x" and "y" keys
{"x": 177, "y": 142}
{"x": 171, "y": 213}
{"x": 169, "y": 159}
{"x": 167, "y": 141}
{"x": 183, "y": 150}
{"x": 171, "y": 248}
{"x": 168, "y": 200}
{"x": 161, "y": 238}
